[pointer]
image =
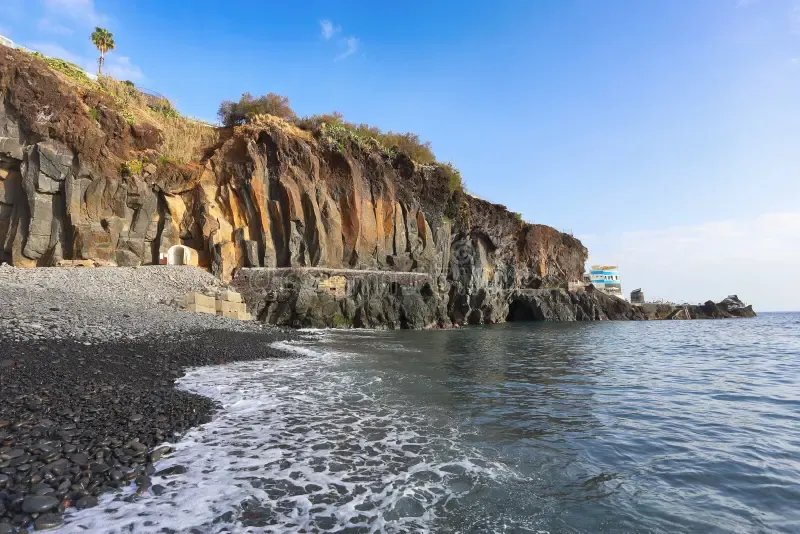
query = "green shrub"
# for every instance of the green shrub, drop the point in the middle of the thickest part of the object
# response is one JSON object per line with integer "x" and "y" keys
{"x": 125, "y": 94}
{"x": 409, "y": 144}
{"x": 70, "y": 69}
{"x": 454, "y": 182}
{"x": 365, "y": 135}
{"x": 164, "y": 107}
{"x": 129, "y": 117}
{"x": 93, "y": 114}
{"x": 337, "y": 134}
{"x": 233, "y": 113}
{"x": 313, "y": 123}
{"x": 133, "y": 167}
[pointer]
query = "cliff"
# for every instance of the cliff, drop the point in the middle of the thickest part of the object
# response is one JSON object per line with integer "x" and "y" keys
{"x": 318, "y": 228}
{"x": 81, "y": 180}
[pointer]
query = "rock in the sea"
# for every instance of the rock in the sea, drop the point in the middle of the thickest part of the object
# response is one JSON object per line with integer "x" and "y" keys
{"x": 86, "y": 502}
{"x": 159, "y": 453}
{"x": 173, "y": 470}
{"x": 143, "y": 483}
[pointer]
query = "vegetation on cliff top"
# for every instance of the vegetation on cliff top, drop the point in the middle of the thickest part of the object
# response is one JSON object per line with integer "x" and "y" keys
{"x": 183, "y": 139}
{"x": 331, "y": 126}
{"x": 335, "y": 132}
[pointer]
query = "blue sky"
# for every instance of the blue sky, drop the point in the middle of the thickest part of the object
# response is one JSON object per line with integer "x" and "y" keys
{"x": 663, "y": 133}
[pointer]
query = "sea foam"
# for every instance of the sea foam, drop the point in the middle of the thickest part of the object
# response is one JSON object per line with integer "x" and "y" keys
{"x": 300, "y": 444}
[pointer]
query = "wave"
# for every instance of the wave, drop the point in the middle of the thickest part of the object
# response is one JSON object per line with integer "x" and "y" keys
{"x": 301, "y": 443}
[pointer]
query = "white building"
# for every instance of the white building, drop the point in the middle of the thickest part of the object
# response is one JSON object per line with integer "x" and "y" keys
{"x": 606, "y": 279}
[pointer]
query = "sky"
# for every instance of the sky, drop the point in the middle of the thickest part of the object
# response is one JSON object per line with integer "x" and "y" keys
{"x": 664, "y": 133}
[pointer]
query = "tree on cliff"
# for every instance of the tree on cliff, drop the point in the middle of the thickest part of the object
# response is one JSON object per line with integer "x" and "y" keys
{"x": 233, "y": 113}
{"x": 104, "y": 41}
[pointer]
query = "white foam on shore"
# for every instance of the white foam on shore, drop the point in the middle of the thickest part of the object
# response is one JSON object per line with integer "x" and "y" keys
{"x": 301, "y": 443}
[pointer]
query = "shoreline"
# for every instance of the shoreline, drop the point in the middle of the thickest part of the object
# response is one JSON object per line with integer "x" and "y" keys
{"x": 89, "y": 360}
{"x": 79, "y": 420}
{"x": 88, "y": 364}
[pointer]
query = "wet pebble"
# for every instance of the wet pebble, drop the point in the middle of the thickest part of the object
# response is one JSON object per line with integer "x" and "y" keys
{"x": 48, "y": 521}
{"x": 86, "y": 502}
{"x": 38, "y": 504}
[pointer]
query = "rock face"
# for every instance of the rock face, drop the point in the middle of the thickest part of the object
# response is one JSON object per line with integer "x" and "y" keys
{"x": 268, "y": 195}
{"x": 318, "y": 231}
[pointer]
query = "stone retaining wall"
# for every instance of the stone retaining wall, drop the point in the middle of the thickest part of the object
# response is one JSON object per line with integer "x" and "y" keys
{"x": 321, "y": 297}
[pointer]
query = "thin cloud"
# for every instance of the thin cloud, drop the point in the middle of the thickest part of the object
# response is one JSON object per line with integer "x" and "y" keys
{"x": 81, "y": 12}
{"x": 328, "y": 29}
{"x": 48, "y": 26}
{"x": 348, "y": 46}
{"x": 351, "y": 45}
{"x": 794, "y": 17}
{"x": 58, "y": 51}
{"x": 121, "y": 68}
{"x": 710, "y": 260}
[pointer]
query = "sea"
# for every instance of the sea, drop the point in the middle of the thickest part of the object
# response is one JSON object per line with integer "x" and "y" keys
{"x": 663, "y": 426}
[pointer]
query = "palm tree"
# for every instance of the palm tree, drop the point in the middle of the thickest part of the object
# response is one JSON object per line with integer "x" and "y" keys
{"x": 104, "y": 41}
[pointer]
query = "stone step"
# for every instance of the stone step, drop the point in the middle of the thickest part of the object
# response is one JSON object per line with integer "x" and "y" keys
{"x": 230, "y": 296}
{"x": 200, "y": 300}
{"x": 238, "y": 315}
{"x": 199, "y": 308}
{"x": 225, "y": 306}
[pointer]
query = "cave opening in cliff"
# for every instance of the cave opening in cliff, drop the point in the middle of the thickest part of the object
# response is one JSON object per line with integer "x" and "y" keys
{"x": 521, "y": 310}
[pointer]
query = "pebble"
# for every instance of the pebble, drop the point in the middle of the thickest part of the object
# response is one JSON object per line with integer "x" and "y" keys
{"x": 99, "y": 468}
{"x": 86, "y": 502}
{"x": 91, "y": 386}
{"x": 79, "y": 459}
{"x": 159, "y": 453}
{"x": 173, "y": 470}
{"x": 38, "y": 504}
{"x": 142, "y": 483}
{"x": 48, "y": 521}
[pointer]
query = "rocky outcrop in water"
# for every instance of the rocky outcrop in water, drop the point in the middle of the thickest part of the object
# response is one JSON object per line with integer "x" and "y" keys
{"x": 728, "y": 308}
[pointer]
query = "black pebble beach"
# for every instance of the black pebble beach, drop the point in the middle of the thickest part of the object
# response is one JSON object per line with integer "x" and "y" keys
{"x": 81, "y": 416}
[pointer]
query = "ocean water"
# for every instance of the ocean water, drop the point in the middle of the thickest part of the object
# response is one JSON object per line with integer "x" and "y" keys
{"x": 672, "y": 426}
